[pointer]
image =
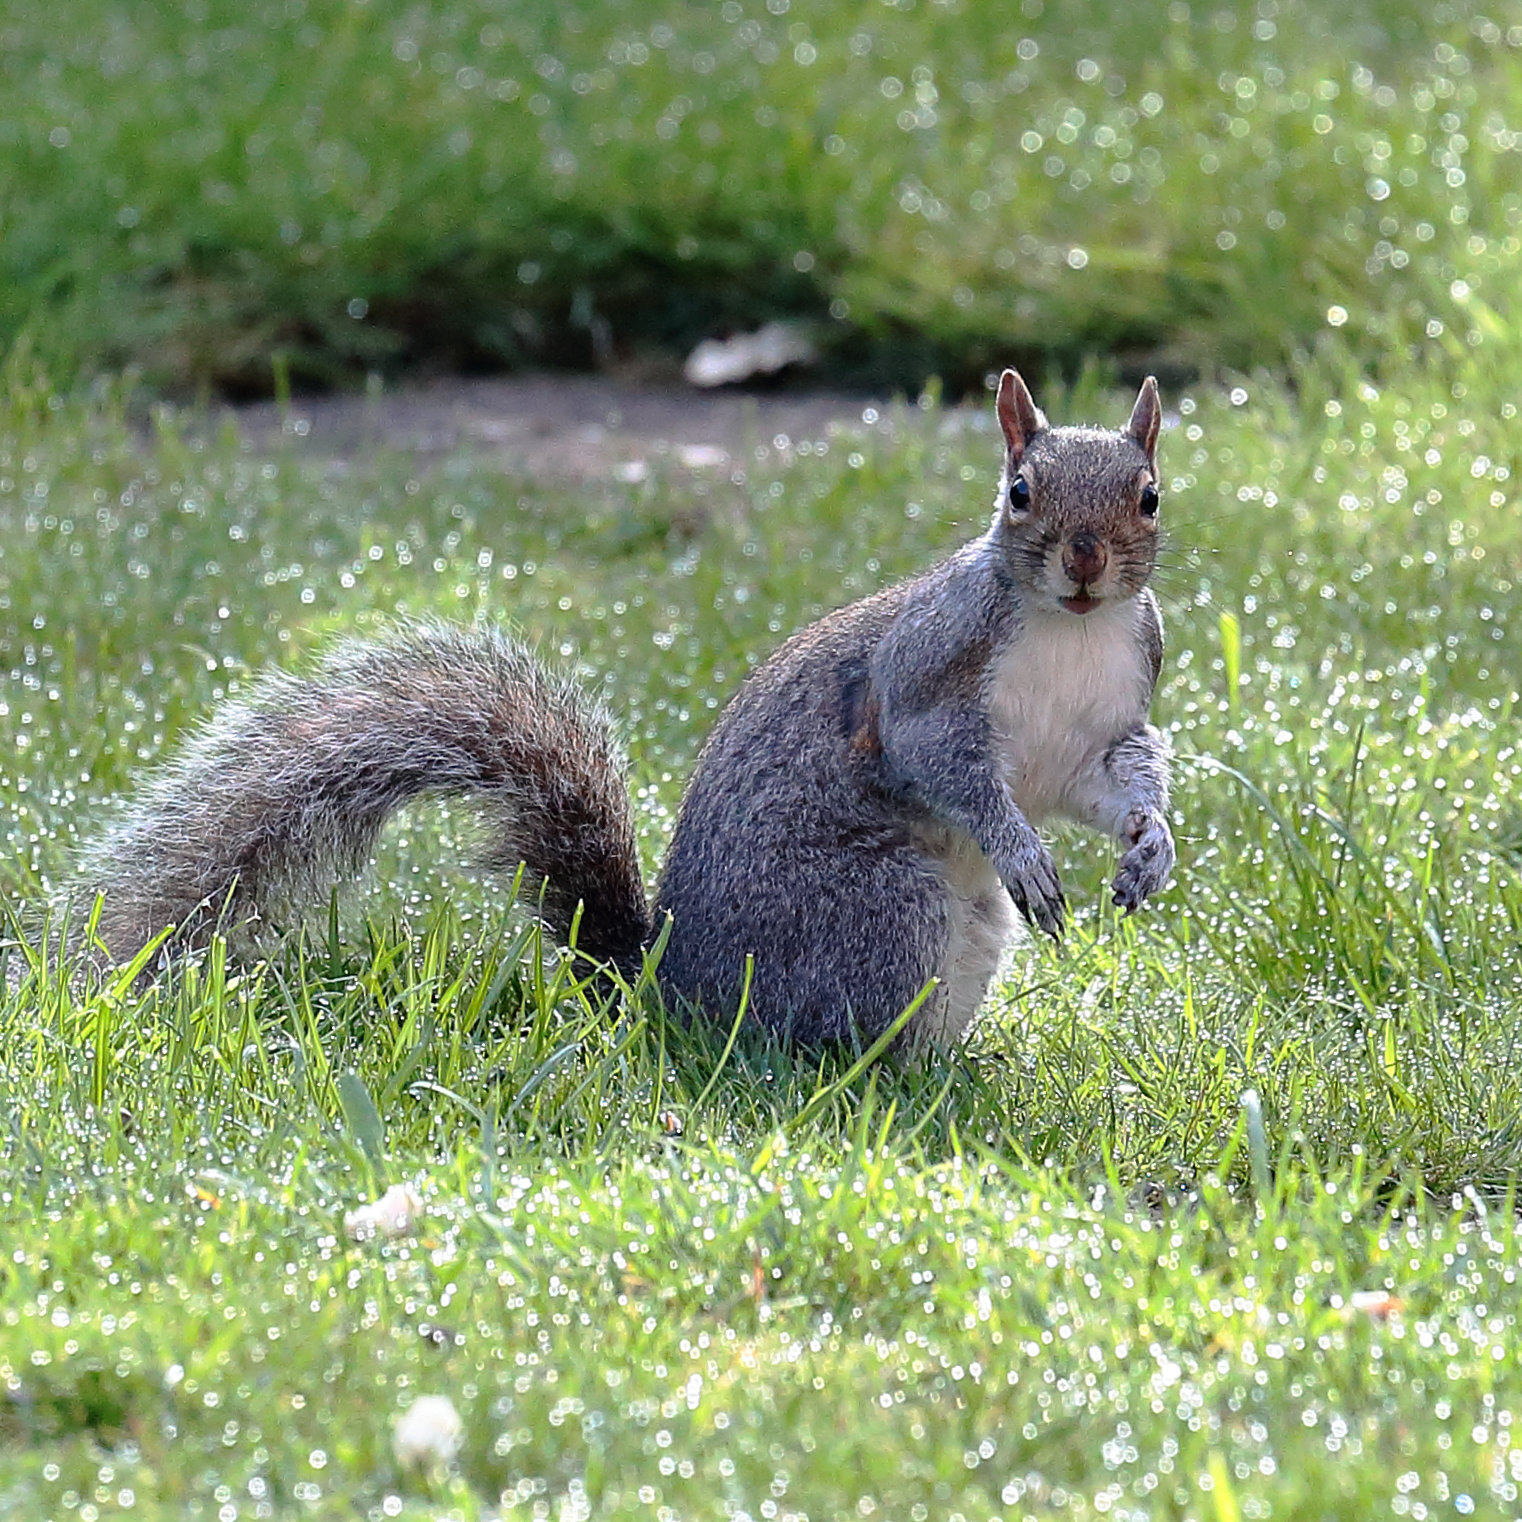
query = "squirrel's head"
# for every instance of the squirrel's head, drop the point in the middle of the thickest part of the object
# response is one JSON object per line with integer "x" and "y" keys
{"x": 1078, "y": 507}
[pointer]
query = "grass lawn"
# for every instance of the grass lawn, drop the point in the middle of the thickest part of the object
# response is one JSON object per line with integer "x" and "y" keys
{"x": 1213, "y": 1218}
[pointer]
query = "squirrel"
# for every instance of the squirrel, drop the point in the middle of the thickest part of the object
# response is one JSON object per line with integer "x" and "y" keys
{"x": 859, "y": 826}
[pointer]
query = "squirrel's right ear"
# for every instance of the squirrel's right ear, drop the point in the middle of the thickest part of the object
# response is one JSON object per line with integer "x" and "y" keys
{"x": 1019, "y": 416}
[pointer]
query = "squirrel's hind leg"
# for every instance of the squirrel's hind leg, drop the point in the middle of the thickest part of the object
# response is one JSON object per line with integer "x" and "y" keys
{"x": 839, "y": 954}
{"x": 980, "y": 924}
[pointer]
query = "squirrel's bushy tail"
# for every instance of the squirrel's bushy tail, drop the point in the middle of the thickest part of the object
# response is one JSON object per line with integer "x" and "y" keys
{"x": 287, "y": 787}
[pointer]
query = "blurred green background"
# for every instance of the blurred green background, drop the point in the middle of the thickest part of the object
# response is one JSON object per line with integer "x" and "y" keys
{"x": 220, "y": 192}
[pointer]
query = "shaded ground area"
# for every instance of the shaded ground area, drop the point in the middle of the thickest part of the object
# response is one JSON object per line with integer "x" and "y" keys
{"x": 575, "y": 427}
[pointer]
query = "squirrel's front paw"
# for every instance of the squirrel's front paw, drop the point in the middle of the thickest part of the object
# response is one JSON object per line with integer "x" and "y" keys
{"x": 1147, "y": 863}
{"x": 1030, "y": 875}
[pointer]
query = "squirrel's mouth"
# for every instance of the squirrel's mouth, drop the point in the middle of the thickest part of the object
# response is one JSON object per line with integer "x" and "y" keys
{"x": 1082, "y": 603}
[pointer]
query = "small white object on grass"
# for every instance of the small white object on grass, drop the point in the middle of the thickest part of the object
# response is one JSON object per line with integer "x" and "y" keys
{"x": 1377, "y": 1304}
{"x": 723, "y": 361}
{"x": 428, "y": 1433}
{"x": 394, "y": 1214}
{"x": 1257, "y": 1147}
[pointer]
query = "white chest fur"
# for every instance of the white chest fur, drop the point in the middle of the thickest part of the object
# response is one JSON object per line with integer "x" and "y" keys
{"x": 1061, "y": 693}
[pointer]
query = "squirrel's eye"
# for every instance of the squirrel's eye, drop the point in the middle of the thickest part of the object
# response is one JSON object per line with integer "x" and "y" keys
{"x": 1020, "y": 494}
{"x": 1149, "y": 502}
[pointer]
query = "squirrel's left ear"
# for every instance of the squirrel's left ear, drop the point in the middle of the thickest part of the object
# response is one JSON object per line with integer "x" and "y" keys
{"x": 1019, "y": 416}
{"x": 1146, "y": 417}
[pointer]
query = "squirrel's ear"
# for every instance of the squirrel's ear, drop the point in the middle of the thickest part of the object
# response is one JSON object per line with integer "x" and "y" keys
{"x": 1019, "y": 416}
{"x": 1146, "y": 417}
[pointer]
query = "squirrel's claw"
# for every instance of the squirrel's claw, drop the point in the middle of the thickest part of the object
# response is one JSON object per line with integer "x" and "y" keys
{"x": 1050, "y": 914}
{"x": 1045, "y": 914}
{"x": 1036, "y": 891}
{"x": 1146, "y": 867}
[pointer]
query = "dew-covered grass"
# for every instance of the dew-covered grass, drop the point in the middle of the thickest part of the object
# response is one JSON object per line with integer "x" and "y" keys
{"x": 228, "y": 193}
{"x": 1213, "y": 1218}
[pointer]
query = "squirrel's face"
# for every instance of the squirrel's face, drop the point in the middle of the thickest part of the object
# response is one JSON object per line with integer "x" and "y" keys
{"x": 1078, "y": 507}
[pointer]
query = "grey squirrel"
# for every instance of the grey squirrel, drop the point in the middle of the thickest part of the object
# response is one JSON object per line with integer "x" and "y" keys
{"x": 861, "y": 821}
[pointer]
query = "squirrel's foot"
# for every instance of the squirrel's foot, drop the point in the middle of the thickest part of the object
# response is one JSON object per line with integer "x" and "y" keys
{"x": 1148, "y": 862}
{"x": 1030, "y": 875}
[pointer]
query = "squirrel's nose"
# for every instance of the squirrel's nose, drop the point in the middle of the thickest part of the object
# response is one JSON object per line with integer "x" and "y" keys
{"x": 1084, "y": 556}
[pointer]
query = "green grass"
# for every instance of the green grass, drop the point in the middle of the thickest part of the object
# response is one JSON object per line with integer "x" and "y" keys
{"x": 1071, "y": 1270}
{"x": 1101, "y": 1262}
{"x": 226, "y": 194}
